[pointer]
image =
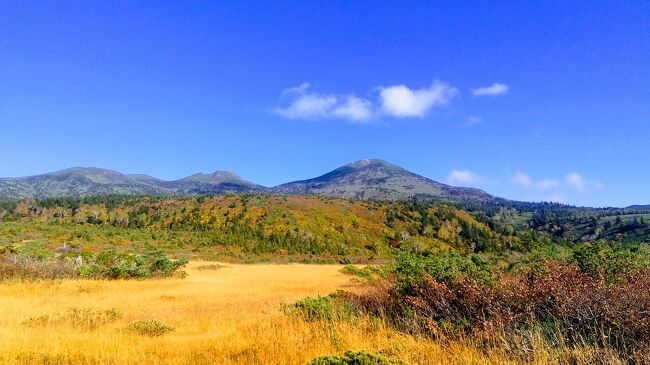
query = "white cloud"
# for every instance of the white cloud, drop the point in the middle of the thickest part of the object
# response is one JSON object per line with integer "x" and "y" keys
{"x": 492, "y": 90}
{"x": 300, "y": 89}
{"x": 353, "y": 108}
{"x": 473, "y": 120}
{"x": 465, "y": 178}
{"x": 310, "y": 105}
{"x": 554, "y": 190}
{"x": 546, "y": 184}
{"x": 401, "y": 101}
{"x": 396, "y": 101}
{"x": 524, "y": 180}
{"x": 575, "y": 181}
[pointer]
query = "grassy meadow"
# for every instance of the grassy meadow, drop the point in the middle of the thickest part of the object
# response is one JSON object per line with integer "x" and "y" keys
{"x": 220, "y": 315}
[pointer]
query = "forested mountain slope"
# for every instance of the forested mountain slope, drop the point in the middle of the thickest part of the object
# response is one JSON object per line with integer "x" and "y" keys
{"x": 291, "y": 225}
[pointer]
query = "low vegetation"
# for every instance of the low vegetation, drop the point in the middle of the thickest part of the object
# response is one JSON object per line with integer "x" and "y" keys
{"x": 598, "y": 298}
{"x": 355, "y": 358}
{"x": 113, "y": 265}
{"x": 29, "y": 268}
{"x": 368, "y": 273}
{"x": 210, "y": 267}
{"x": 332, "y": 307}
{"x": 151, "y": 328}
{"x": 80, "y": 318}
{"x": 108, "y": 264}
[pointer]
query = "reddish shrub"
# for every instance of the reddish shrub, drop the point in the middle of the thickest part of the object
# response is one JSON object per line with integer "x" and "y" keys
{"x": 579, "y": 307}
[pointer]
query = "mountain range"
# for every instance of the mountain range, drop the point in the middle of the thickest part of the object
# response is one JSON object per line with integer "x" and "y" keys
{"x": 372, "y": 179}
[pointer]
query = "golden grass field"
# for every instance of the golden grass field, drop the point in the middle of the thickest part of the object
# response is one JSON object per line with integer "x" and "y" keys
{"x": 226, "y": 316}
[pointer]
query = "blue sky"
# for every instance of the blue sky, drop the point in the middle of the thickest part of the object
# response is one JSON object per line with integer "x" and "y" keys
{"x": 526, "y": 101}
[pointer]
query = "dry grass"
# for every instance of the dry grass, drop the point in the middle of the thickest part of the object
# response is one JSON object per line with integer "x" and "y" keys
{"x": 226, "y": 316}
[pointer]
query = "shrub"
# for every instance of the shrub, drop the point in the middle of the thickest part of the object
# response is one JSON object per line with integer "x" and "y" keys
{"x": 113, "y": 265}
{"x": 108, "y": 264}
{"x": 210, "y": 267}
{"x": 448, "y": 267}
{"x": 27, "y": 268}
{"x": 368, "y": 273}
{"x": 354, "y": 358}
{"x": 328, "y": 308}
{"x": 570, "y": 306}
{"x": 609, "y": 262}
{"x": 151, "y": 328}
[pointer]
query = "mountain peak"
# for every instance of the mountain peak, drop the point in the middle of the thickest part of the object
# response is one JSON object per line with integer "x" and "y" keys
{"x": 379, "y": 180}
{"x": 216, "y": 177}
{"x": 95, "y": 174}
{"x": 83, "y": 171}
{"x": 218, "y": 182}
{"x": 371, "y": 162}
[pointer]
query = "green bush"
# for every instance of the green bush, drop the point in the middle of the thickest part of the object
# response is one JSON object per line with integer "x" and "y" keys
{"x": 328, "y": 308}
{"x": 113, "y": 265}
{"x": 354, "y": 358}
{"x": 369, "y": 273}
{"x": 151, "y": 328}
{"x": 611, "y": 263}
{"x": 446, "y": 267}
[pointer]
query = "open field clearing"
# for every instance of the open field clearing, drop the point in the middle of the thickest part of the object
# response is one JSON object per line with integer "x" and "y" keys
{"x": 228, "y": 315}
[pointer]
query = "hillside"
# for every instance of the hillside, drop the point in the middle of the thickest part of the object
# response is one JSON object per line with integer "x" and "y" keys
{"x": 219, "y": 182}
{"x": 379, "y": 180}
{"x": 76, "y": 182}
{"x": 576, "y": 224}
{"x": 90, "y": 181}
{"x": 252, "y": 225}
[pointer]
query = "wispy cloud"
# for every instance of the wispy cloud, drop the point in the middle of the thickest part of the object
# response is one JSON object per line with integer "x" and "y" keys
{"x": 552, "y": 189}
{"x": 465, "y": 178}
{"x": 353, "y": 108}
{"x": 308, "y": 107}
{"x": 575, "y": 181}
{"x": 303, "y": 104}
{"x": 492, "y": 90}
{"x": 397, "y": 101}
{"x": 401, "y": 101}
{"x": 524, "y": 180}
{"x": 563, "y": 190}
{"x": 300, "y": 89}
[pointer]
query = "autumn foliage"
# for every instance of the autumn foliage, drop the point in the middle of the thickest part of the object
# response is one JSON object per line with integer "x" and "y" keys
{"x": 559, "y": 302}
{"x": 254, "y": 225}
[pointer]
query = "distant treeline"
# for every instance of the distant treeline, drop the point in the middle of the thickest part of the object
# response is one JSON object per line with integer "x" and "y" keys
{"x": 284, "y": 224}
{"x": 316, "y": 225}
